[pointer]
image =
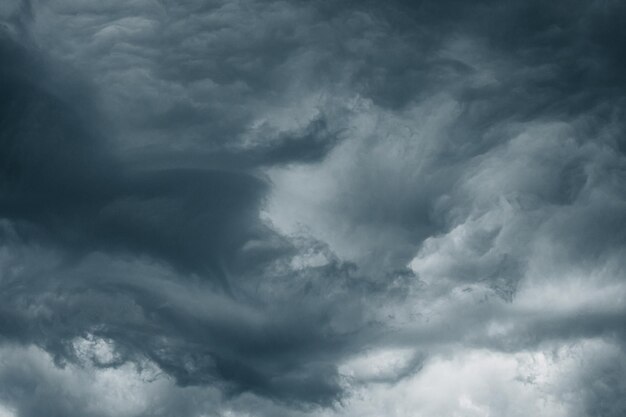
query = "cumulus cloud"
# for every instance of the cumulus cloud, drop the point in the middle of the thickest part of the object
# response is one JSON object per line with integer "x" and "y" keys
{"x": 217, "y": 208}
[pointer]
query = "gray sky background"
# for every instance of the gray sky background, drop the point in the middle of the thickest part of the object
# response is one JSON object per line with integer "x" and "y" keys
{"x": 312, "y": 208}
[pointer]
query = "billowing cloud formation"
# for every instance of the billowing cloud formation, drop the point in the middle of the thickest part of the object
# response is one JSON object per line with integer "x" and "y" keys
{"x": 312, "y": 208}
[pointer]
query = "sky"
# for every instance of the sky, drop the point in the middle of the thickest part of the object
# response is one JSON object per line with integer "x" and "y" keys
{"x": 322, "y": 208}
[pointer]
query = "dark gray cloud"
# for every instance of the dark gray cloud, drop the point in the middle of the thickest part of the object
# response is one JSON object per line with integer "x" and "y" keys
{"x": 63, "y": 189}
{"x": 312, "y": 208}
{"x": 58, "y": 177}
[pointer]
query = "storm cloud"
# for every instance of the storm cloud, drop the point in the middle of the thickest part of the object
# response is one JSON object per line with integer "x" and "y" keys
{"x": 289, "y": 208}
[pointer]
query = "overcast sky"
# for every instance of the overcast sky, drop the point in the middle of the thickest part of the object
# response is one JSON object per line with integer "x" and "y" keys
{"x": 337, "y": 208}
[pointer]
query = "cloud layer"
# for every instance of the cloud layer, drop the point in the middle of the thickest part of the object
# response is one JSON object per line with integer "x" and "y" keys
{"x": 218, "y": 208}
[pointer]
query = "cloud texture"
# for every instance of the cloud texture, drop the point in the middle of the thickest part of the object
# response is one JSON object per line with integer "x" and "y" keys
{"x": 320, "y": 208}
